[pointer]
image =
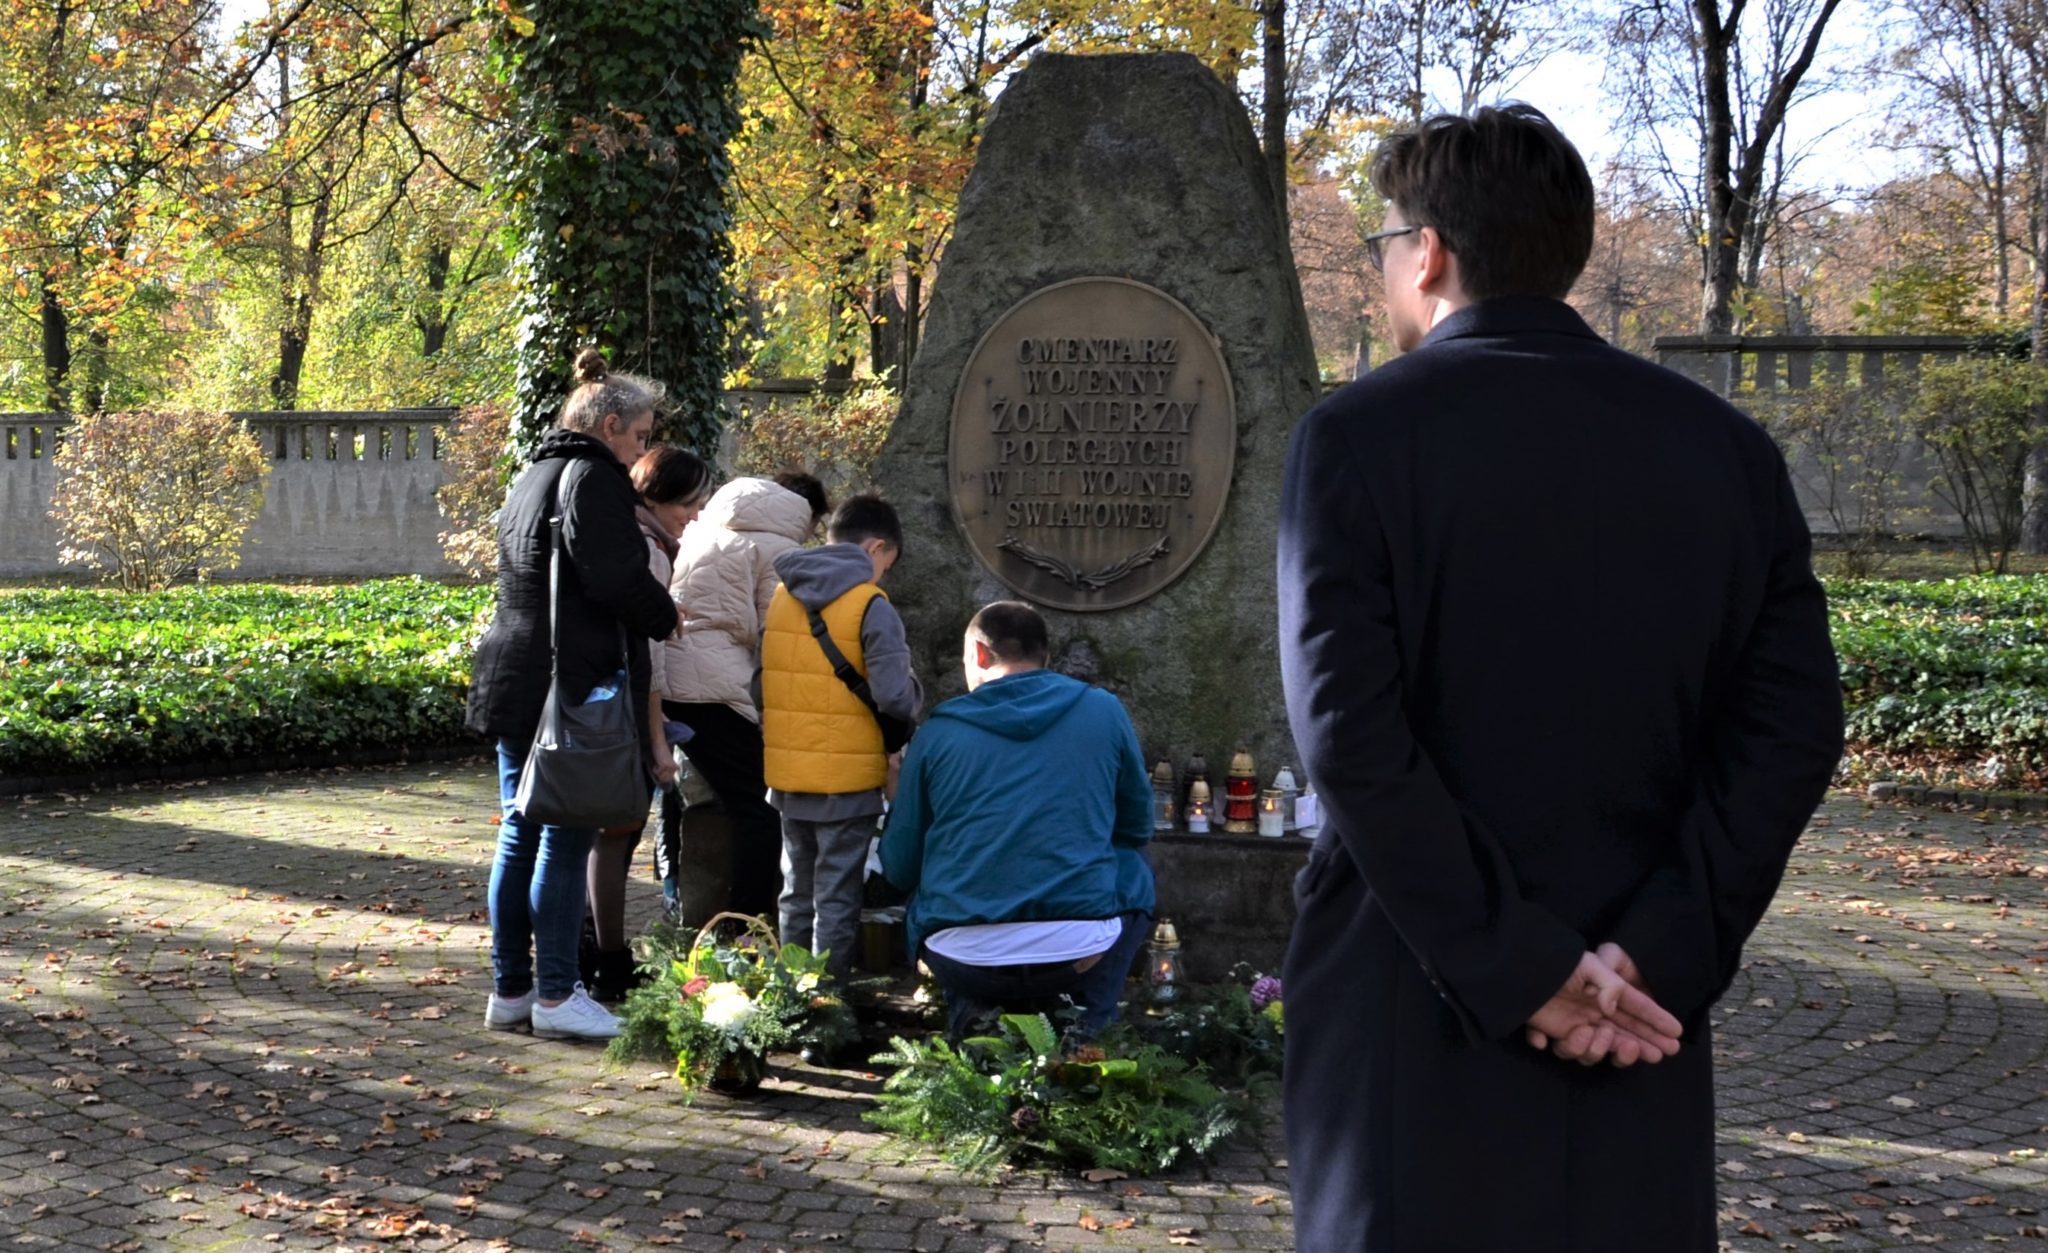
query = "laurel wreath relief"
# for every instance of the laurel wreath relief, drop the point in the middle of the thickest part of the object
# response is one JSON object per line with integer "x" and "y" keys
{"x": 1086, "y": 580}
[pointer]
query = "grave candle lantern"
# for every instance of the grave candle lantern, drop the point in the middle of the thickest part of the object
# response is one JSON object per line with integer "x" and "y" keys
{"x": 1198, "y": 808}
{"x": 1162, "y": 965}
{"x": 1240, "y": 795}
{"x": 1285, "y": 784}
{"x": 1271, "y": 821}
{"x": 1162, "y": 797}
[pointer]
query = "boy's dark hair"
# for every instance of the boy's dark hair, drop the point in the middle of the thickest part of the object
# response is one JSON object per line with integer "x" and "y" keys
{"x": 808, "y": 487}
{"x": 1012, "y": 630}
{"x": 1504, "y": 188}
{"x": 865, "y": 517}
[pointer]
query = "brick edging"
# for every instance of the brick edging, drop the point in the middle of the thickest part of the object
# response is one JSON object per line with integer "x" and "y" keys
{"x": 1920, "y": 794}
{"x": 177, "y": 771}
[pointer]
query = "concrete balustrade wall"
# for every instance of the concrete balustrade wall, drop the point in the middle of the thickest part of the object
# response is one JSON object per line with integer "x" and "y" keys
{"x": 1758, "y": 372}
{"x": 348, "y": 494}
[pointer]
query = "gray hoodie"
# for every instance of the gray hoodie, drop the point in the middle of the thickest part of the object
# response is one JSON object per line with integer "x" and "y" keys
{"x": 816, "y": 577}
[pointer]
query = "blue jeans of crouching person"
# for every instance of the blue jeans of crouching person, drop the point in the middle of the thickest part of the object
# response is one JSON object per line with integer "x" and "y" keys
{"x": 536, "y": 895}
{"x": 1040, "y": 987}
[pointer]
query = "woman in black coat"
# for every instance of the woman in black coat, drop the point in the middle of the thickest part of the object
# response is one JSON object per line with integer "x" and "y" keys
{"x": 579, "y": 476}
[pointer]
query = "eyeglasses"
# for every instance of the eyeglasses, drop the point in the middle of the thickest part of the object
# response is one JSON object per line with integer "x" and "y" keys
{"x": 1375, "y": 244}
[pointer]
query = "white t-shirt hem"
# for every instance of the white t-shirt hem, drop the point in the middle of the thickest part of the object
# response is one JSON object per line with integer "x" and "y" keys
{"x": 1026, "y": 943}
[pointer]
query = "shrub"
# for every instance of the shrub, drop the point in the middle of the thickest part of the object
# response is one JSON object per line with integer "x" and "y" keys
{"x": 152, "y": 496}
{"x": 478, "y": 461}
{"x": 1976, "y": 415}
{"x": 1015, "y": 1097}
{"x": 1846, "y": 447}
{"x": 837, "y": 437}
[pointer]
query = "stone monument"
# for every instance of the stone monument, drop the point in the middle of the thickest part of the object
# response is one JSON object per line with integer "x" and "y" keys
{"x": 1098, "y": 412}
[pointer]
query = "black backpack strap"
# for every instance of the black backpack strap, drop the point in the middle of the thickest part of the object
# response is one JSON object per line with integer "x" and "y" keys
{"x": 895, "y": 731}
{"x": 840, "y": 665}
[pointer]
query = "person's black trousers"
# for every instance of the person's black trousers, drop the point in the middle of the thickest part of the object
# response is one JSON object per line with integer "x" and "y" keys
{"x": 726, "y": 750}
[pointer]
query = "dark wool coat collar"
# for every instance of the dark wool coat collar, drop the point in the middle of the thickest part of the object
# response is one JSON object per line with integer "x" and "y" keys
{"x": 1511, "y": 315}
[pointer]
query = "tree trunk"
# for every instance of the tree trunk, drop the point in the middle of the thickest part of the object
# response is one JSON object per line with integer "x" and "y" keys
{"x": 855, "y": 292}
{"x": 291, "y": 354}
{"x": 2034, "y": 516}
{"x": 1735, "y": 188}
{"x": 1415, "y": 100}
{"x": 432, "y": 316}
{"x": 1723, "y": 256}
{"x": 838, "y": 359}
{"x": 302, "y": 296}
{"x": 913, "y": 297}
{"x": 98, "y": 346}
{"x": 56, "y": 351}
{"x": 2001, "y": 229}
{"x": 913, "y": 251}
{"x": 885, "y": 329}
{"x": 1274, "y": 15}
{"x": 291, "y": 346}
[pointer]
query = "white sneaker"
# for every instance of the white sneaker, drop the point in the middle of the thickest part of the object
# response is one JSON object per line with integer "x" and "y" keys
{"x": 508, "y": 1013}
{"x": 578, "y": 1018}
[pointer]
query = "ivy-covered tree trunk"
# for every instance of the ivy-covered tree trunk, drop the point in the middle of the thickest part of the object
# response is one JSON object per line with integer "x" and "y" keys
{"x": 616, "y": 157}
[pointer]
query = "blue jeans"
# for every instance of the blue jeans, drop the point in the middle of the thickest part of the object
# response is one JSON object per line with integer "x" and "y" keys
{"x": 537, "y": 886}
{"x": 1044, "y": 987}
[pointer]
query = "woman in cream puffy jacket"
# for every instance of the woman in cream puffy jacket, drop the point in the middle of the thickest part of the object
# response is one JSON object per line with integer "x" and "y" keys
{"x": 724, "y": 577}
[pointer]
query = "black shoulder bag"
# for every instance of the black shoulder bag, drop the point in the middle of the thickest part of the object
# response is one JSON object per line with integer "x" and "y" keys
{"x": 584, "y": 769}
{"x": 895, "y": 731}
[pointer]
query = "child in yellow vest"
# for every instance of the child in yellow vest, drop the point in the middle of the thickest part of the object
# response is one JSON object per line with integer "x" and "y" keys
{"x": 823, "y": 750}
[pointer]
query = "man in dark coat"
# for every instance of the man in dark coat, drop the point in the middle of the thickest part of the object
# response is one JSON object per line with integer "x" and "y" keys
{"x": 1559, "y": 668}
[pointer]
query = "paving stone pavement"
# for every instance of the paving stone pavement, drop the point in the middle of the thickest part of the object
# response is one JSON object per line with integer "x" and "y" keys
{"x": 246, "y": 1015}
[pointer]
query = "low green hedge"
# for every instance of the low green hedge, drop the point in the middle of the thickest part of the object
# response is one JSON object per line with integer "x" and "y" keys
{"x": 1955, "y": 672}
{"x": 93, "y": 680}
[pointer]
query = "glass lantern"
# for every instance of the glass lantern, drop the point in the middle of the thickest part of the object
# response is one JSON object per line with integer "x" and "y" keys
{"x": 1272, "y": 821}
{"x": 1241, "y": 795}
{"x": 1289, "y": 790}
{"x": 1163, "y": 815}
{"x": 1162, "y": 966}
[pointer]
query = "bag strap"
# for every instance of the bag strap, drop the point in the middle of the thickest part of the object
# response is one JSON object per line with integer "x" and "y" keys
{"x": 840, "y": 665}
{"x": 554, "y": 590}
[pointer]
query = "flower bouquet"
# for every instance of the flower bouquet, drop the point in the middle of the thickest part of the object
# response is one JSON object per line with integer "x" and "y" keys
{"x": 721, "y": 1004}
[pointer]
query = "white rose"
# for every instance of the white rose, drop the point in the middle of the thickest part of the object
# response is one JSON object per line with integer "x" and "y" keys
{"x": 727, "y": 1007}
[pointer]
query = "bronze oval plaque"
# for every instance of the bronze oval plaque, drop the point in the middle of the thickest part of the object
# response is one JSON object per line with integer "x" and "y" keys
{"x": 1094, "y": 435}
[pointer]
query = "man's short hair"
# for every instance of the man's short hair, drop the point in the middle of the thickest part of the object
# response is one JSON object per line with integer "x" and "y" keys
{"x": 1012, "y": 630}
{"x": 1504, "y": 188}
{"x": 865, "y": 517}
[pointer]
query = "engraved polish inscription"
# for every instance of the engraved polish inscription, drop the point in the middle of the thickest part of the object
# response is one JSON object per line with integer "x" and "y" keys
{"x": 1092, "y": 443}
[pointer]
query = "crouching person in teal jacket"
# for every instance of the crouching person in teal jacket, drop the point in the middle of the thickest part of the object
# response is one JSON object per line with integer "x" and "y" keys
{"x": 1019, "y": 827}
